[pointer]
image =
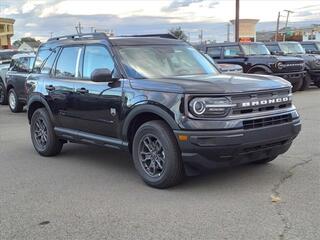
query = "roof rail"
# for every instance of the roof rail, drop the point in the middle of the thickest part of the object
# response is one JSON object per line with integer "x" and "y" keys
{"x": 100, "y": 35}
{"x": 161, "y": 35}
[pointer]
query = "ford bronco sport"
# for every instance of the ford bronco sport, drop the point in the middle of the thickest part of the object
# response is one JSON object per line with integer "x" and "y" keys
{"x": 161, "y": 100}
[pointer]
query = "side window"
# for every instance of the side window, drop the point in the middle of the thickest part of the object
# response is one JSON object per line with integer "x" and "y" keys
{"x": 21, "y": 65}
{"x": 232, "y": 51}
{"x": 273, "y": 48}
{"x": 96, "y": 57}
{"x": 44, "y": 60}
{"x": 214, "y": 52}
{"x": 68, "y": 62}
{"x": 309, "y": 47}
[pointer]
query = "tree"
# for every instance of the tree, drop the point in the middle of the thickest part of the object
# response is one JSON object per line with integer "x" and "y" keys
{"x": 18, "y": 43}
{"x": 178, "y": 33}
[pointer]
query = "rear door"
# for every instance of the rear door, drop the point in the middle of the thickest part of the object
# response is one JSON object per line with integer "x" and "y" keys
{"x": 60, "y": 87}
{"x": 97, "y": 105}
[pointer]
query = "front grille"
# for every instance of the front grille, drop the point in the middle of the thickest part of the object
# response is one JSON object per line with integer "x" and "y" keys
{"x": 291, "y": 67}
{"x": 238, "y": 100}
{"x": 268, "y": 121}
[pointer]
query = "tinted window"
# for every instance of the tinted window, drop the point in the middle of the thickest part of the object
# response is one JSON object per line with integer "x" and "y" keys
{"x": 214, "y": 52}
{"x": 274, "y": 48}
{"x": 309, "y": 47}
{"x": 44, "y": 60}
{"x": 67, "y": 64}
{"x": 21, "y": 64}
{"x": 96, "y": 57}
{"x": 232, "y": 51}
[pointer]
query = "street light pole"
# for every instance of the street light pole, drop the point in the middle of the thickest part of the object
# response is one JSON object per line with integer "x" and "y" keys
{"x": 237, "y": 21}
{"x": 278, "y": 24}
{"x": 288, "y": 13}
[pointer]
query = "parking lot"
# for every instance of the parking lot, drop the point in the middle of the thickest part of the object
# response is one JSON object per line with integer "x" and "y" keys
{"x": 94, "y": 193}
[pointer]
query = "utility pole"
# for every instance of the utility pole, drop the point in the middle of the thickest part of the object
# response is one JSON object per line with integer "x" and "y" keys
{"x": 288, "y": 13}
{"x": 51, "y": 34}
{"x": 237, "y": 24}
{"x": 79, "y": 28}
{"x": 228, "y": 32}
{"x": 201, "y": 36}
{"x": 278, "y": 25}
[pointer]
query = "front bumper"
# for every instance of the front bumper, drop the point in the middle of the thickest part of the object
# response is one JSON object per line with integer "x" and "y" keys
{"x": 205, "y": 150}
{"x": 292, "y": 77}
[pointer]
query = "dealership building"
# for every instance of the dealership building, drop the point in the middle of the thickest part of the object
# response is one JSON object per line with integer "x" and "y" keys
{"x": 6, "y": 32}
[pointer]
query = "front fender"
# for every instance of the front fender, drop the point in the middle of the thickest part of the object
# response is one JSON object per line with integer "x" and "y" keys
{"x": 149, "y": 107}
{"x": 265, "y": 68}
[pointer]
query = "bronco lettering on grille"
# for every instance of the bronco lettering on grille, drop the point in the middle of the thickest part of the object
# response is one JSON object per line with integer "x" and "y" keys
{"x": 265, "y": 102}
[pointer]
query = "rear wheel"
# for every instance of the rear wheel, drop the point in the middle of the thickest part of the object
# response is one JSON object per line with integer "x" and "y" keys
{"x": 43, "y": 137}
{"x": 317, "y": 82}
{"x": 306, "y": 82}
{"x": 3, "y": 94}
{"x": 156, "y": 155}
{"x": 14, "y": 104}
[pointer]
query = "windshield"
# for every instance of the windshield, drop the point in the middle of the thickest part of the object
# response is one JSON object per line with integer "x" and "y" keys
{"x": 291, "y": 48}
{"x": 255, "y": 49}
{"x": 318, "y": 46}
{"x": 158, "y": 61}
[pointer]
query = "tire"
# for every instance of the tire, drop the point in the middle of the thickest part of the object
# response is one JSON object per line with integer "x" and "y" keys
{"x": 317, "y": 83}
{"x": 266, "y": 160}
{"x": 163, "y": 167}
{"x": 46, "y": 142}
{"x": 297, "y": 86}
{"x": 14, "y": 104}
{"x": 261, "y": 73}
{"x": 306, "y": 82}
{"x": 3, "y": 94}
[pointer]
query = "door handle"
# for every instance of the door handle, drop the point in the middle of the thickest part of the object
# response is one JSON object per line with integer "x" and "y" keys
{"x": 50, "y": 88}
{"x": 82, "y": 90}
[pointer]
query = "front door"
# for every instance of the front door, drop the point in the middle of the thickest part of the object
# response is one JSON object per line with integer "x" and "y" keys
{"x": 97, "y": 105}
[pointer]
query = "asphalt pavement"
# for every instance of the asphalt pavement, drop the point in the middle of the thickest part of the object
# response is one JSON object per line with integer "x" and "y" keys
{"x": 95, "y": 193}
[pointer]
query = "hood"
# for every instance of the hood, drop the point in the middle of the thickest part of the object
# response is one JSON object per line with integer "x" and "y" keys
{"x": 273, "y": 58}
{"x": 218, "y": 84}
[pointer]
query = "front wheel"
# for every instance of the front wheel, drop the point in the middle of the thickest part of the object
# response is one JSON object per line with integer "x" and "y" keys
{"x": 3, "y": 94}
{"x": 306, "y": 82}
{"x": 297, "y": 85}
{"x": 14, "y": 104}
{"x": 43, "y": 137}
{"x": 156, "y": 155}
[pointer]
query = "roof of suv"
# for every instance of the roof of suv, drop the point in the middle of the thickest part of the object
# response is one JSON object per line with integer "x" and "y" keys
{"x": 135, "y": 40}
{"x": 225, "y": 44}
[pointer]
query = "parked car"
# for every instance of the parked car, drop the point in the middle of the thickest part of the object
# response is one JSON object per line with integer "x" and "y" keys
{"x": 312, "y": 47}
{"x": 6, "y": 55}
{"x": 161, "y": 100}
{"x": 312, "y": 61}
{"x": 5, "y": 59}
{"x": 256, "y": 59}
{"x": 15, "y": 91}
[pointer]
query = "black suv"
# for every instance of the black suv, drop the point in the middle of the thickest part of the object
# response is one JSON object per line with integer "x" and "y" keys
{"x": 255, "y": 58}
{"x": 160, "y": 99}
{"x": 312, "y": 61}
{"x": 312, "y": 47}
{"x": 15, "y": 90}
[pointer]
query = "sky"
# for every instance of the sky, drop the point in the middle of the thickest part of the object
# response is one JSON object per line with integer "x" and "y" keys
{"x": 43, "y": 18}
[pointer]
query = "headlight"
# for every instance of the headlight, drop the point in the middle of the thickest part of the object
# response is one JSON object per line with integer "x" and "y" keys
{"x": 280, "y": 65}
{"x": 318, "y": 61}
{"x": 210, "y": 107}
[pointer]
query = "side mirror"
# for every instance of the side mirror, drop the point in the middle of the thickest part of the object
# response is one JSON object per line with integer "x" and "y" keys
{"x": 102, "y": 75}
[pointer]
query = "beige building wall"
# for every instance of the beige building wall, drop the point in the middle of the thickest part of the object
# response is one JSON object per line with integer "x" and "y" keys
{"x": 6, "y": 32}
{"x": 247, "y": 28}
